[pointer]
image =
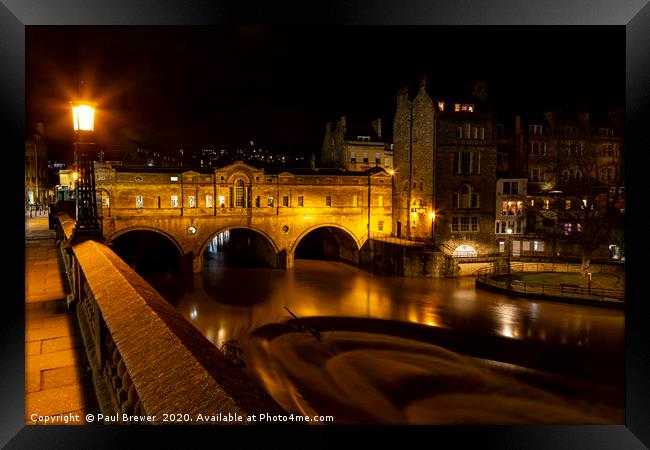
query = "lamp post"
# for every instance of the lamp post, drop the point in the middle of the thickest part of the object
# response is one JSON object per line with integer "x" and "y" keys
{"x": 556, "y": 195}
{"x": 87, "y": 223}
{"x": 508, "y": 233}
{"x": 369, "y": 183}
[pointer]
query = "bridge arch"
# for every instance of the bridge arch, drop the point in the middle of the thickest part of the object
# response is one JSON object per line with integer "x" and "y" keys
{"x": 326, "y": 241}
{"x": 242, "y": 241}
{"x": 358, "y": 241}
{"x": 124, "y": 231}
{"x": 214, "y": 234}
{"x": 147, "y": 248}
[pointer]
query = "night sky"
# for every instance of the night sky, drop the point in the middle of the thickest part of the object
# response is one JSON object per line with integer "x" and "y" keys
{"x": 217, "y": 86}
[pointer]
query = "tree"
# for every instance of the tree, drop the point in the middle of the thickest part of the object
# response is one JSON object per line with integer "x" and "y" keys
{"x": 590, "y": 179}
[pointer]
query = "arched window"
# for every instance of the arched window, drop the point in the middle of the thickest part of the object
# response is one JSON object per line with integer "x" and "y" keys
{"x": 239, "y": 194}
{"x": 465, "y": 197}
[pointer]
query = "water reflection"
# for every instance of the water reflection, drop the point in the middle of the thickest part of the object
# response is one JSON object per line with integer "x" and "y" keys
{"x": 227, "y": 302}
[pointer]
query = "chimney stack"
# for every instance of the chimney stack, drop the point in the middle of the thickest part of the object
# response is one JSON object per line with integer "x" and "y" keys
{"x": 376, "y": 124}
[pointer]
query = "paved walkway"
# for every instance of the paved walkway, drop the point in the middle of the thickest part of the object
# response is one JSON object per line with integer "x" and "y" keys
{"x": 57, "y": 381}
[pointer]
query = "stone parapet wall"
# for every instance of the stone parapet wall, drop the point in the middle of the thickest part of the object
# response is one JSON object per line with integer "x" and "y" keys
{"x": 147, "y": 360}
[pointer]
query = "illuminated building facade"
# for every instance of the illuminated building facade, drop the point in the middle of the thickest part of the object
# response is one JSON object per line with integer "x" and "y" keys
{"x": 355, "y": 147}
{"x": 445, "y": 163}
{"x": 36, "y": 167}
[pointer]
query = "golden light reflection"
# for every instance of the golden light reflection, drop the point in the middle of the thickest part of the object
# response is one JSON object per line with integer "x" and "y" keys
{"x": 221, "y": 336}
{"x": 424, "y": 314}
{"x": 507, "y": 318}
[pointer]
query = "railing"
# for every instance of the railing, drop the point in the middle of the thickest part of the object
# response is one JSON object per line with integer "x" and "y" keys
{"x": 493, "y": 276}
{"x": 387, "y": 237}
{"x": 146, "y": 359}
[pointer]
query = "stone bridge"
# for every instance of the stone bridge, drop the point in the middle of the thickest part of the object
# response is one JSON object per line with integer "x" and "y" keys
{"x": 190, "y": 208}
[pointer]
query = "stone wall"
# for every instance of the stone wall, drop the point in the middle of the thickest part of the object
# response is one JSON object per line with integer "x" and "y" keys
{"x": 146, "y": 358}
{"x": 386, "y": 258}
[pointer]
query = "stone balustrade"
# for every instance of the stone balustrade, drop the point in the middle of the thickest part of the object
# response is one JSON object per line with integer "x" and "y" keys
{"x": 147, "y": 359}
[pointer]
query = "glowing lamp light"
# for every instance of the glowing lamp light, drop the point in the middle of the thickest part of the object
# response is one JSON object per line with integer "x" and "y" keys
{"x": 509, "y": 231}
{"x": 83, "y": 116}
{"x": 432, "y": 216}
{"x": 391, "y": 171}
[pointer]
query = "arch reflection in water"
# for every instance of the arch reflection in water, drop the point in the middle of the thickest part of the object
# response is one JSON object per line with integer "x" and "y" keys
{"x": 240, "y": 299}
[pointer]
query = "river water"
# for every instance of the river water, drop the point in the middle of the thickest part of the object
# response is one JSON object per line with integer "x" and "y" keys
{"x": 226, "y": 302}
{"x": 229, "y": 301}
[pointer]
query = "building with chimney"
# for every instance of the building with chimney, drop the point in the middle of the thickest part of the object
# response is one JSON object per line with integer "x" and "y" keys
{"x": 445, "y": 170}
{"x": 355, "y": 146}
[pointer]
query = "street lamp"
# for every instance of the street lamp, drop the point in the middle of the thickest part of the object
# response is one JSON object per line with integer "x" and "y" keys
{"x": 432, "y": 216}
{"x": 556, "y": 195}
{"x": 83, "y": 120}
{"x": 508, "y": 233}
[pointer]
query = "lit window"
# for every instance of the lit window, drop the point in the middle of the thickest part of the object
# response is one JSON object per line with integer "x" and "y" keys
{"x": 222, "y": 201}
{"x": 353, "y": 157}
{"x": 546, "y": 203}
{"x": 239, "y": 193}
{"x": 174, "y": 201}
{"x": 567, "y": 204}
{"x": 270, "y": 200}
{"x": 173, "y": 178}
{"x": 441, "y": 106}
{"x": 139, "y": 202}
{"x": 191, "y": 201}
{"x": 208, "y": 201}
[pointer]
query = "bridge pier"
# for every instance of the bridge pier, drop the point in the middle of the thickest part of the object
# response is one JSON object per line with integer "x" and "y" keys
{"x": 286, "y": 260}
{"x": 187, "y": 263}
{"x": 197, "y": 264}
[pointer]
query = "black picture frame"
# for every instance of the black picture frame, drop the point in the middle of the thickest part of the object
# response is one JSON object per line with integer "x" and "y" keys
{"x": 15, "y": 15}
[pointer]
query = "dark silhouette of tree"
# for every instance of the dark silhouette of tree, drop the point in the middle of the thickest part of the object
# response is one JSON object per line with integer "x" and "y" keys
{"x": 590, "y": 192}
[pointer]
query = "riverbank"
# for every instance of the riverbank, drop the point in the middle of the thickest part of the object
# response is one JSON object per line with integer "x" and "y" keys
{"x": 570, "y": 293}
